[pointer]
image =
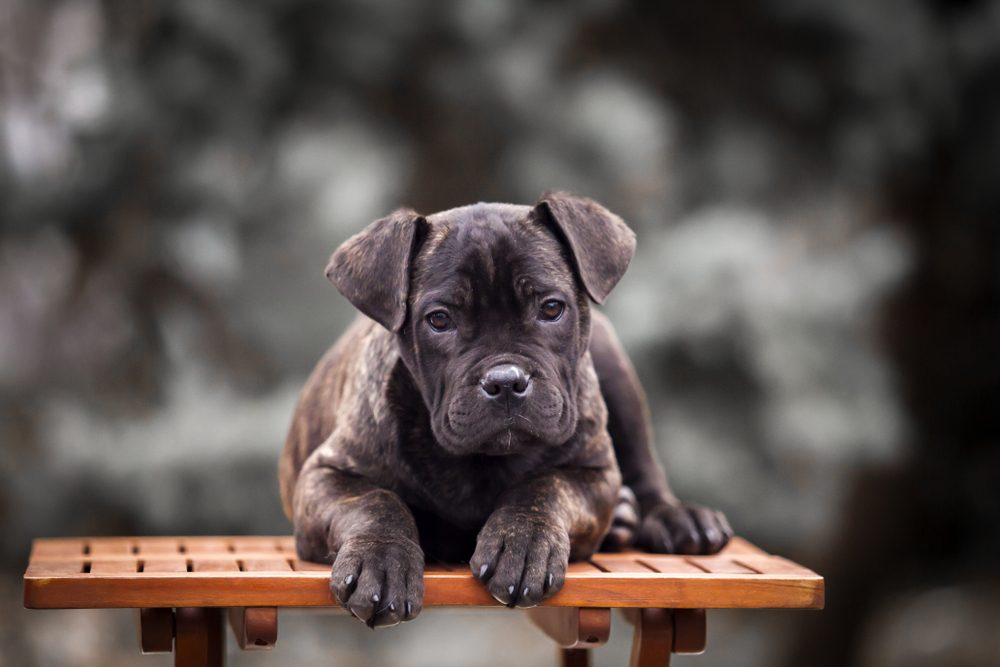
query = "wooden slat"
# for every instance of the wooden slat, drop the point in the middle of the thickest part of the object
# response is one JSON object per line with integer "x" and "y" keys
{"x": 267, "y": 580}
{"x": 669, "y": 564}
{"x": 619, "y": 564}
{"x": 720, "y": 565}
{"x": 223, "y": 555}
{"x": 738, "y": 545}
{"x": 254, "y": 545}
{"x": 308, "y": 589}
{"x": 164, "y": 565}
{"x": 214, "y": 564}
{"x": 110, "y": 547}
{"x": 58, "y": 548}
{"x": 773, "y": 565}
{"x": 305, "y": 566}
{"x": 157, "y": 546}
{"x": 49, "y": 568}
{"x": 114, "y": 567}
{"x": 582, "y": 567}
{"x": 205, "y": 545}
{"x": 276, "y": 564}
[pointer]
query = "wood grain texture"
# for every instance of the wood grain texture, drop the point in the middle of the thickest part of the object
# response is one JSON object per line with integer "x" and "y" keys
{"x": 574, "y": 657}
{"x": 199, "y": 640}
{"x": 690, "y": 631}
{"x": 264, "y": 572}
{"x": 156, "y": 630}
{"x": 255, "y": 628}
{"x": 571, "y": 627}
{"x": 652, "y": 642}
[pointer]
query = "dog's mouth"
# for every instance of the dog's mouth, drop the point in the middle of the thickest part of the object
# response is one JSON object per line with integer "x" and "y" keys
{"x": 510, "y": 436}
{"x": 464, "y": 432}
{"x": 513, "y": 436}
{"x": 468, "y": 421}
{"x": 509, "y": 440}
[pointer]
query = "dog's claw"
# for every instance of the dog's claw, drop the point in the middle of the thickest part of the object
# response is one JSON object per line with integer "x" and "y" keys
{"x": 521, "y": 558}
{"x": 684, "y": 529}
{"x": 368, "y": 570}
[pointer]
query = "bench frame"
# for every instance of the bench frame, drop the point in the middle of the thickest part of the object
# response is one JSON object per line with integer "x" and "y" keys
{"x": 183, "y": 587}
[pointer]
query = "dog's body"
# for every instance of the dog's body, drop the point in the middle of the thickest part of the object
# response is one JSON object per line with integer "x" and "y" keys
{"x": 481, "y": 415}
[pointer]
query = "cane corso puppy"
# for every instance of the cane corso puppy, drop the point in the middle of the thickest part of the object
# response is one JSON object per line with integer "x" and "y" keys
{"x": 482, "y": 412}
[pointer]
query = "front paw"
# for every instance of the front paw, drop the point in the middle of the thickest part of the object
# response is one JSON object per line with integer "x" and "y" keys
{"x": 380, "y": 580}
{"x": 676, "y": 528}
{"x": 521, "y": 557}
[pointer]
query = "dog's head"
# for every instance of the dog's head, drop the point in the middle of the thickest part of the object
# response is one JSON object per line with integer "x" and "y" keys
{"x": 490, "y": 306}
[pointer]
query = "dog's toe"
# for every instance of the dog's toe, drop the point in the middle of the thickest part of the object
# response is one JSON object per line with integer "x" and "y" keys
{"x": 522, "y": 560}
{"x": 624, "y": 522}
{"x": 684, "y": 529}
{"x": 379, "y": 581}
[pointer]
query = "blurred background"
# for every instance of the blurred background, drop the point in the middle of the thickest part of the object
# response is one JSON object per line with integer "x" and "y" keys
{"x": 814, "y": 308}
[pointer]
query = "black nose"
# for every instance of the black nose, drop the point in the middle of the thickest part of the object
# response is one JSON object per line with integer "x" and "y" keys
{"x": 505, "y": 381}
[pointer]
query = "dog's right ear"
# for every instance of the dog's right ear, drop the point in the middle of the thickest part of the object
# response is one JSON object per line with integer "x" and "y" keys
{"x": 372, "y": 268}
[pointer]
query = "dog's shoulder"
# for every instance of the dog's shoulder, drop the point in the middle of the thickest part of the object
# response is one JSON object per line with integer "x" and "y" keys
{"x": 346, "y": 392}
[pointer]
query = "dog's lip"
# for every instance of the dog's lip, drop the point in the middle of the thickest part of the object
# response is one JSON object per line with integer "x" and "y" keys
{"x": 487, "y": 445}
{"x": 500, "y": 446}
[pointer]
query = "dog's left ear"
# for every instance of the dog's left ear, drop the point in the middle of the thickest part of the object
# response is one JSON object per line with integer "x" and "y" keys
{"x": 601, "y": 243}
{"x": 372, "y": 268}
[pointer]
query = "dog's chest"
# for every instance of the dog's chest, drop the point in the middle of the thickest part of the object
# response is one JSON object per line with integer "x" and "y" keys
{"x": 463, "y": 491}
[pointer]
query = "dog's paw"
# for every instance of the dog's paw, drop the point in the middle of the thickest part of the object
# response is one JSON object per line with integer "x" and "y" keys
{"x": 684, "y": 529}
{"x": 521, "y": 558}
{"x": 379, "y": 580}
{"x": 624, "y": 522}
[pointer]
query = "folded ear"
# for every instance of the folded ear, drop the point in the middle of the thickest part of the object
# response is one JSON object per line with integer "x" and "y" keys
{"x": 601, "y": 244}
{"x": 372, "y": 268}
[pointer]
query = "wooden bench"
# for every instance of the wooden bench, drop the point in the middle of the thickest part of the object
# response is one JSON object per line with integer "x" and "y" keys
{"x": 181, "y": 587}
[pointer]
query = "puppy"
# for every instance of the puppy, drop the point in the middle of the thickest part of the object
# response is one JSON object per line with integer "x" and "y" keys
{"x": 481, "y": 412}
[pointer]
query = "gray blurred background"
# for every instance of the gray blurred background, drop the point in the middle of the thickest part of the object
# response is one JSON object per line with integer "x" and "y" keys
{"x": 814, "y": 308}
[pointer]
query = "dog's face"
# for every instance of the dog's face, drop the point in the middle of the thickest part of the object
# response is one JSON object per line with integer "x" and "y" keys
{"x": 497, "y": 327}
{"x": 490, "y": 306}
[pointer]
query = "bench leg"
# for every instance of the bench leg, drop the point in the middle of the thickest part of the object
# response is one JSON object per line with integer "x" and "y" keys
{"x": 660, "y": 632}
{"x": 653, "y": 639}
{"x": 156, "y": 630}
{"x": 200, "y": 641}
{"x": 574, "y": 657}
{"x": 255, "y": 628}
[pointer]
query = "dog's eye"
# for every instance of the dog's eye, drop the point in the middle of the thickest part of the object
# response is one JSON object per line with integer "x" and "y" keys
{"x": 551, "y": 310}
{"x": 439, "y": 320}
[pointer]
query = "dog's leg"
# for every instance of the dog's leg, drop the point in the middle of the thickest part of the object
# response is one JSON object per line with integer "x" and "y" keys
{"x": 524, "y": 547}
{"x": 368, "y": 534}
{"x": 666, "y": 524}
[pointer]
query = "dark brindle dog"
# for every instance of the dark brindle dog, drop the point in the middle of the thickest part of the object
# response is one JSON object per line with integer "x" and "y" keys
{"x": 481, "y": 414}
